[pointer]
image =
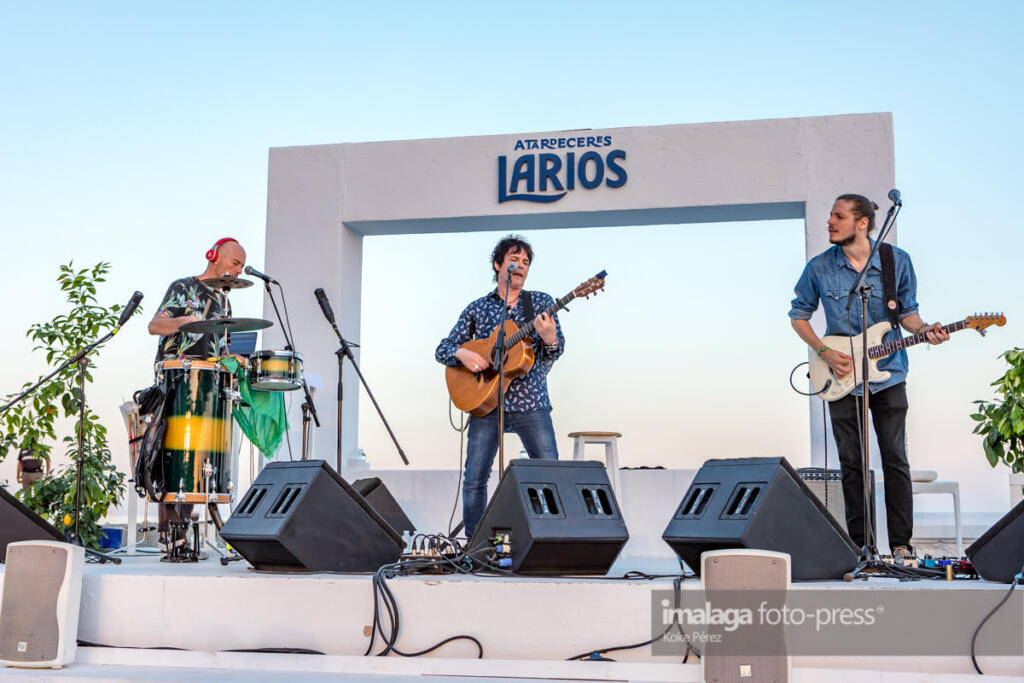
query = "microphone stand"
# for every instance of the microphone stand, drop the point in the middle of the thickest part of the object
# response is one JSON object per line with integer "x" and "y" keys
{"x": 869, "y": 552}
{"x": 308, "y": 408}
{"x": 498, "y": 360}
{"x": 82, "y": 361}
{"x": 345, "y": 350}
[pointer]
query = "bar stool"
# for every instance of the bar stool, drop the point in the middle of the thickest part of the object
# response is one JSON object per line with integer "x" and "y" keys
{"x": 923, "y": 481}
{"x": 610, "y": 441}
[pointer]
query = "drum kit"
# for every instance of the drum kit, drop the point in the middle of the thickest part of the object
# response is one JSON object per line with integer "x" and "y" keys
{"x": 196, "y": 461}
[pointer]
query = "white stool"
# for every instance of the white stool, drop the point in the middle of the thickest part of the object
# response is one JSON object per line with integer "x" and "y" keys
{"x": 923, "y": 481}
{"x": 610, "y": 440}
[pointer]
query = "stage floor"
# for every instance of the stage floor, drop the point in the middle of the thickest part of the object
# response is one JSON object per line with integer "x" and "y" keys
{"x": 528, "y": 626}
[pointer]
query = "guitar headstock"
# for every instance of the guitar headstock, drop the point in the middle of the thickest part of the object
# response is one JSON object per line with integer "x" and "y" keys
{"x": 980, "y": 321}
{"x": 591, "y": 286}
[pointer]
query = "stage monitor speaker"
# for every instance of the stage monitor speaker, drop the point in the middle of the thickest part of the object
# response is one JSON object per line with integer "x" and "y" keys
{"x": 555, "y": 516}
{"x": 41, "y": 600}
{"x": 998, "y": 555}
{"x": 377, "y": 494}
{"x": 303, "y": 515}
{"x": 746, "y": 570}
{"x": 18, "y": 523}
{"x": 827, "y": 485}
{"x": 759, "y": 503}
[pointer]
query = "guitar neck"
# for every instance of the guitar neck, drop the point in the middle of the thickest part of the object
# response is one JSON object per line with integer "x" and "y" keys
{"x": 882, "y": 350}
{"x": 527, "y": 329}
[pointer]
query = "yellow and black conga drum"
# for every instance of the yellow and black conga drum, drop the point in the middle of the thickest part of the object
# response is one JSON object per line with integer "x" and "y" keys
{"x": 196, "y": 461}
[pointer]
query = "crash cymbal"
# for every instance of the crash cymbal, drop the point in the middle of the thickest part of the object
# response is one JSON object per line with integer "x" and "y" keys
{"x": 227, "y": 282}
{"x": 219, "y": 326}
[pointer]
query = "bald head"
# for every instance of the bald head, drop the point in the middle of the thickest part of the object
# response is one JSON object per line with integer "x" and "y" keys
{"x": 230, "y": 261}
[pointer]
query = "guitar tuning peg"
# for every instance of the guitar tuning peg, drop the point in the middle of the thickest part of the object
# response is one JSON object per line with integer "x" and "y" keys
{"x": 982, "y": 332}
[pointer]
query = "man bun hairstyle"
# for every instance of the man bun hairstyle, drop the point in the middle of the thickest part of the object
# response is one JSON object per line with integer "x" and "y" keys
{"x": 513, "y": 243}
{"x": 862, "y": 208}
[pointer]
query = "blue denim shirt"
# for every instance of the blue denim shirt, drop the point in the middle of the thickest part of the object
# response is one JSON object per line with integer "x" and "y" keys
{"x": 479, "y": 319}
{"x": 828, "y": 278}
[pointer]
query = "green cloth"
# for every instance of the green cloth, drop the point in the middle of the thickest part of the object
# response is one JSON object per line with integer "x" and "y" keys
{"x": 264, "y": 420}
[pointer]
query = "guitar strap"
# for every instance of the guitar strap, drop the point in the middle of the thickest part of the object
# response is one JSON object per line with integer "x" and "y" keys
{"x": 892, "y": 303}
{"x": 527, "y": 300}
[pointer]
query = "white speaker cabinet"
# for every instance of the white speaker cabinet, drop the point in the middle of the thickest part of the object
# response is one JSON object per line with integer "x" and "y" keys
{"x": 741, "y": 570}
{"x": 41, "y": 598}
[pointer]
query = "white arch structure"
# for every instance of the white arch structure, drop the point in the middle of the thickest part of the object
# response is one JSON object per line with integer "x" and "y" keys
{"x": 333, "y": 195}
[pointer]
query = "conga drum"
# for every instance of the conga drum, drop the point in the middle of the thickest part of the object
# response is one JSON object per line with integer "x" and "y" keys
{"x": 196, "y": 460}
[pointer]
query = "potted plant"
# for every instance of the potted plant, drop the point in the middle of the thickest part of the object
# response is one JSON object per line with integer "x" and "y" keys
{"x": 1001, "y": 422}
{"x": 33, "y": 421}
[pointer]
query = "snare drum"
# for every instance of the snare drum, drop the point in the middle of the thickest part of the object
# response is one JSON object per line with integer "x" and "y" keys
{"x": 275, "y": 371}
{"x": 197, "y": 446}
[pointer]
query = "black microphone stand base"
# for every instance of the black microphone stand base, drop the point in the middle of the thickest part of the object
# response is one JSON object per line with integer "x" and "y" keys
{"x": 97, "y": 556}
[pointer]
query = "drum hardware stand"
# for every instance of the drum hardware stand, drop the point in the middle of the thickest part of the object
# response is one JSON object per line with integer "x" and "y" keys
{"x": 211, "y": 499}
{"x": 178, "y": 531}
{"x": 308, "y": 407}
{"x": 345, "y": 350}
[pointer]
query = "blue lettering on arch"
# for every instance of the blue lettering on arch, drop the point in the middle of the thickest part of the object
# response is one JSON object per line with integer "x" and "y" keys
{"x": 507, "y": 191}
{"x": 550, "y": 165}
{"x": 586, "y": 182}
{"x": 613, "y": 167}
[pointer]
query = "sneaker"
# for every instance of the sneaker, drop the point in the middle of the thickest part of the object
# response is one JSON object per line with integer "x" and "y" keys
{"x": 903, "y": 554}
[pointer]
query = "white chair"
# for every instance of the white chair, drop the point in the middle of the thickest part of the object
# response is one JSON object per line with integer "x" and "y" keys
{"x": 924, "y": 481}
{"x": 610, "y": 441}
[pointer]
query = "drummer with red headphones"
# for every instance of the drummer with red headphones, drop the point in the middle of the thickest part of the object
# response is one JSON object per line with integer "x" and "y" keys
{"x": 188, "y": 300}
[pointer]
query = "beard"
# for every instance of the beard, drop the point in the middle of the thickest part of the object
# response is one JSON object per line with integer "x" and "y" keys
{"x": 843, "y": 242}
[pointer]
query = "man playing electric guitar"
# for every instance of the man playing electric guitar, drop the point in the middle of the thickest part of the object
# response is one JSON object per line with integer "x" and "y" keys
{"x": 828, "y": 278}
{"x": 527, "y": 408}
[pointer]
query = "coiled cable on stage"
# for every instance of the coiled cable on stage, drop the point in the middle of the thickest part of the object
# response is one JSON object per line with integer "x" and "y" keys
{"x": 1019, "y": 578}
{"x": 598, "y": 655}
{"x": 461, "y": 429}
{"x": 382, "y": 594}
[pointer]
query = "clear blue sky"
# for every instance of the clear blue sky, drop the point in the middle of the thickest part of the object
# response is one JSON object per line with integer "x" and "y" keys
{"x": 138, "y": 132}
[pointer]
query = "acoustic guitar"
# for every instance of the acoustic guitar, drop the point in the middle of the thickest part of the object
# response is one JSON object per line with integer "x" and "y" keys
{"x": 477, "y": 392}
{"x": 832, "y": 387}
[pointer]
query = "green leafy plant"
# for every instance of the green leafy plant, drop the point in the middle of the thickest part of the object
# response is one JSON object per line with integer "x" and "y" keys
{"x": 1001, "y": 422}
{"x": 33, "y": 422}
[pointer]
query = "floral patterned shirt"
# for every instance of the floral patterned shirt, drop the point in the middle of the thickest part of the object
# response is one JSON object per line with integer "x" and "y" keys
{"x": 479, "y": 319}
{"x": 189, "y": 296}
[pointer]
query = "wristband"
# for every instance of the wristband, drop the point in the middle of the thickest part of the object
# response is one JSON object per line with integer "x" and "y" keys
{"x": 823, "y": 349}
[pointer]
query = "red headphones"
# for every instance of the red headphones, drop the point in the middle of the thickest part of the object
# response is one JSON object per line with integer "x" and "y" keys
{"x": 214, "y": 252}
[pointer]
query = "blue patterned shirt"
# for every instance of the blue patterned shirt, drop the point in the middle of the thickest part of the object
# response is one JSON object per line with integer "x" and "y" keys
{"x": 479, "y": 319}
{"x": 828, "y": 277}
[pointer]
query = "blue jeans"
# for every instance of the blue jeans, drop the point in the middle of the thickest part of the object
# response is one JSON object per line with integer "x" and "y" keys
{"x": 534, "y": 430}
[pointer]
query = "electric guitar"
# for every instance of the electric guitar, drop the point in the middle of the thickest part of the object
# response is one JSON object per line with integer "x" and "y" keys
{"x": 477, "y": 392}
{"x": 832, "y": 387}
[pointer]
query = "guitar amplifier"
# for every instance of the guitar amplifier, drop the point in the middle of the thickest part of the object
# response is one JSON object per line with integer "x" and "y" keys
{"x": 827, "y": 485}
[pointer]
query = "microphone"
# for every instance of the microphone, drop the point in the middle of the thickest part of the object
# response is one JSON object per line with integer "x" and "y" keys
{"x": 512, "y": 268}
{"x": 894, "y": 197}
{"x": 325, "y": 305}
{"x": 129, "y": 308}
{"x": 249, "y": 270}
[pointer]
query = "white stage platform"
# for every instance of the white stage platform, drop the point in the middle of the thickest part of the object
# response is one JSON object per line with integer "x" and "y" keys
{"x": 528, "y": 626}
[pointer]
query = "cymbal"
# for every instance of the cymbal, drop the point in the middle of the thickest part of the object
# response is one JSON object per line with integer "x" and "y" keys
{"x": 227, "y": 282}
{"x": 219, "y": 326}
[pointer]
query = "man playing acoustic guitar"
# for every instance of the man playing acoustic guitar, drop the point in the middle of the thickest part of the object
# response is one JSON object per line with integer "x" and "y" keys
{"x": 527, "y": 408}
{"x": 828, "y": 277}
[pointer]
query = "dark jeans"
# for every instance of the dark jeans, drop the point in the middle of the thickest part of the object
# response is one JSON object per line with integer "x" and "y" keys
{"x": 534, "y": 430}
{"x": 888, "y": 414}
